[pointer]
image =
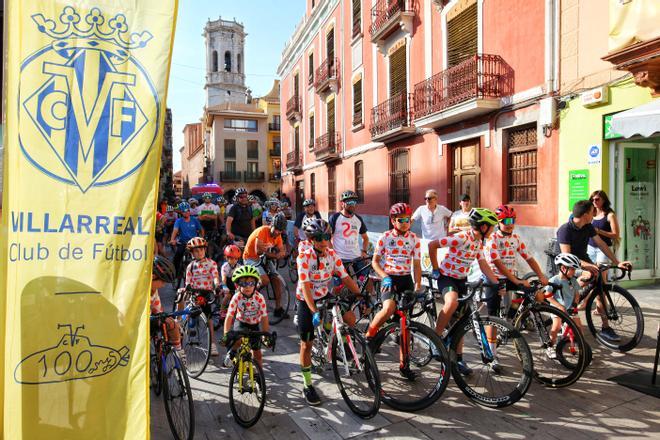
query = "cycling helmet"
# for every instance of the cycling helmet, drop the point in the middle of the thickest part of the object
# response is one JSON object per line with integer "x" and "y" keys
{"x": 221, "y": 201}
{"x": 270, "y": 203}
{"x": 252, "y": 198}
{"x": 482, "y": 216}
{"x": 568, "y": 260}
{"x": 400, "y": 209}
{"x": 313, "y": 226}
{"x": 245, "y": 271}
{"x": 348, "y": 195}
{"x": 192, "y": 200}
{"x": 206, "y": 195}
{"x": 232, "y": 251}
{"x": 184, "y": 206}
{"x": 240, "y": 191}
{"x": 163, "y": 269}
{"x": 279, "y": 222}
{"x": 504, "y": 211}
{"x": 196, "y": 242}
{"x": 308, "y": 202}
{"x": 170, "y": 208}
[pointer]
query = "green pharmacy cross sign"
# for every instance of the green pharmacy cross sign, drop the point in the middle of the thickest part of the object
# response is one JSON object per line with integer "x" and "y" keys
{"x": 608, "y": 131}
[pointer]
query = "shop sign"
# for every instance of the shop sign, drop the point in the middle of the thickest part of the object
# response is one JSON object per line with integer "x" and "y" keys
{"x": 594, "y": 97}
{"x": 578, "y": 186}
{"x": 640, "y": 221}
{"x": 608, "y": 133}
{"x": 594, "y": 155}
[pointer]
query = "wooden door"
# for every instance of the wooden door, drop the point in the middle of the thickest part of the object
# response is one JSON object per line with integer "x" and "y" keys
{"x": 300, "y": 195}
{"x": 466, "y": 171}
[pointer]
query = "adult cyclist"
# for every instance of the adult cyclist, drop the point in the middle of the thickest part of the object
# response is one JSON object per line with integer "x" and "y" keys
{"x": 347, "y": 229}
{"x": 240, "y": 221}
{"x": 185, "y": 229}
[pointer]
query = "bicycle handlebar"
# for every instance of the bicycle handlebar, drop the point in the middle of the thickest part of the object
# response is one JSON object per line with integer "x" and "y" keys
{"x": 234, "y": 335}
{"x": 165, "y": 315}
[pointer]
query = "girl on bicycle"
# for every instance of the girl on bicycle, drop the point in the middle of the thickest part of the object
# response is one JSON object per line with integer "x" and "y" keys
{"x": 163, "y": 272}
{"x": 247, "y": 311}
{"x": 232, "y": 255}
{"x": 316, "y": 267}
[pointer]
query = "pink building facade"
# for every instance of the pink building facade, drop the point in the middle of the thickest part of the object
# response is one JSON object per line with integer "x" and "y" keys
{"x": 392, "y": 97}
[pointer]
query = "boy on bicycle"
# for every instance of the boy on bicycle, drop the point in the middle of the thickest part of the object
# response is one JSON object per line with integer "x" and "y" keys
{"x": 202, "y": 273}
{"x": 316, "y": 267}
{"x": 452, "y": 271}
{"x": 232, "y": 254}
{"x": 397, "y": 254}
{"x": 163, "y": 272}
{"x": 247, "y": 312}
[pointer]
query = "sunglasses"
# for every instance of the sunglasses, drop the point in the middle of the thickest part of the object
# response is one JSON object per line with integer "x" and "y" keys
{"x": 403, "y": 220}
{"x": 351, "y": 202}
{"x": 242, "y": 197}
{"x": 508, "y": 221}
{"x": 321, "y": 237}
{"x": 246, "y": 283}
{"x": 430, "y": 198}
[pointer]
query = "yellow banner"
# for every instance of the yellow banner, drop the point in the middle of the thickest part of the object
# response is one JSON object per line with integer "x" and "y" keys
{"x": 85, "y": 105}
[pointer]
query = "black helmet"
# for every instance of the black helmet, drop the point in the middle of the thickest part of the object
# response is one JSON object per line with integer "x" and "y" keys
{"x": 348, "y": 195}
{"x": 313, "y": 226}
{"x": 279, "y": 221}
{"x": 308, "y": 202}
{"x": 164, "y": 269}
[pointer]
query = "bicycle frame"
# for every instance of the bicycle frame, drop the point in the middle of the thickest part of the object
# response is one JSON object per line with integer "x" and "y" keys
{"x": 244, "y": 354}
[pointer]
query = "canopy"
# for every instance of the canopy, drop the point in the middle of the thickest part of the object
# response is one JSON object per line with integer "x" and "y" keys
{"x": 212, "y": 188}
{"x": 643, "y": 120}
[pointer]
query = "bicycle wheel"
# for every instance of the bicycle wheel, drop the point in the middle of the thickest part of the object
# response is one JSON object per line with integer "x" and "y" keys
{"x": 247, "y": 395}
{"x": 292, "y": 268}
{"x": 428, "y": 360}
{"x": 356, "y": 375}
{"x": 425, "y": 312}
{"x": 483, "y": 385}
{"x": 624, "y": 315}
{"x": 154, "y": 370}
{"x": 196, "y": 342}
{"x": 563, "y": 363}
{"x": 177, "y": 396}
{"x": 284, "y": 300}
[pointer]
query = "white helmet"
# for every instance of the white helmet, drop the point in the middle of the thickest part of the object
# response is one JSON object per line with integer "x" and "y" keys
{"x": 568, "y": 260}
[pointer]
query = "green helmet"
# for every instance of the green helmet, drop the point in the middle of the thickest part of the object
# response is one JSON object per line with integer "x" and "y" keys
{"x": 482, "y": 216}
{"x": 245, "y": 271}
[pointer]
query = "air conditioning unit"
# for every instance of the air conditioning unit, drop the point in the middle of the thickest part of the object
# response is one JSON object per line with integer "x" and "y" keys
{"x": 547, "y": 112}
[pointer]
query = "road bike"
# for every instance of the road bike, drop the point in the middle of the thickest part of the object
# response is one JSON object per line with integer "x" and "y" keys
{"x": 411, "y": 358}
{"x": 247, "y": 383}
{"x": 346, "y": 349}
{"x": 196, "y": 338}
{"x": 270, "y": 266}
{"x": 168, "y": 375}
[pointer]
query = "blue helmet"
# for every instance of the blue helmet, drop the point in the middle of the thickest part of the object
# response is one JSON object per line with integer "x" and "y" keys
{"x": 184, "y": 206}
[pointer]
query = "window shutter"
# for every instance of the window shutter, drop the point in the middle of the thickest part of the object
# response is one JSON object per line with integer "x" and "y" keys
{"x": 398, "y": 71}
{"x": 462, "y": 36}
{"x": 357, "y": 16}
{"x": 311, "y": 132}
{"x": 330, "y": 46}
{"x": 331, "y": 115}
{"x": 357, "y": 97}
{"x": 295, "y": 85}
{"x": 522, "y": 155}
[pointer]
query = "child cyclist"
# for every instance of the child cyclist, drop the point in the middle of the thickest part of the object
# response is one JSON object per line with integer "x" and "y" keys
{"x": 452, "y": 271}
{"x": 163, "y": 272}
{"x": 569, "y": 294}
{"x": 316, "y": 266}
{"x": 397, "y": 253}
{"x": 202, "y": 273}
{"x": 232, "y": 255}
{"x": 247, "y": 312}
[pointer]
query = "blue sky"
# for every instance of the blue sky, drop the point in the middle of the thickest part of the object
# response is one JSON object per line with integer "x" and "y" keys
{"x": 268, "y": 23}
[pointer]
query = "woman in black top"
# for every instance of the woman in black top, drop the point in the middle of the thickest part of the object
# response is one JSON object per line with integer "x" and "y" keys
{"x": 606, "y": 224}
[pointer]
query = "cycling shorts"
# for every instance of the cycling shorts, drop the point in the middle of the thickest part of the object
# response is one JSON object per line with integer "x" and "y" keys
{"x": 400, "y": 283}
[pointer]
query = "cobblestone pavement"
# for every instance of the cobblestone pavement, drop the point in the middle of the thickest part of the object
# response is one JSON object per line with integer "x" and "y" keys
{"x": 592, "y": 408}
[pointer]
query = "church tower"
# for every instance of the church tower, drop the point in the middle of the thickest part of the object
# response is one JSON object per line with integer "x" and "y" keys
{"x": 225, "y": 62}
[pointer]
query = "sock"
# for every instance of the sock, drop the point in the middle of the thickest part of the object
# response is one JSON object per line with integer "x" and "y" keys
{"x": 371, "y": 332}
{"x": 307, "y": 375}
{"x": 459, "y": 357}
{"x": 493, "y": 347}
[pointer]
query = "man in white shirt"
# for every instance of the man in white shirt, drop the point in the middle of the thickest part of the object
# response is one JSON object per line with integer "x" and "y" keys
{"x": 433, "y": 217}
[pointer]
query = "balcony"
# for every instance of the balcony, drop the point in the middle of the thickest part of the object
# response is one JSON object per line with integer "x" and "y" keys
{"x": 254, "y": 176}
{"x": 293, "y": 108}
{"x": 274, "y": 177}
{"x": 276, "y": 152}
{"x": 274, "y": 126}
{"x": 468, "y": 89}
{"x": 229, "y": 176}
{"x": 387, "y": 16}
{"x": 392, "y": 120}
{"x": 327, "y": 76}
{"x": 327, "y": 147}
{"x": 294, "y": 161}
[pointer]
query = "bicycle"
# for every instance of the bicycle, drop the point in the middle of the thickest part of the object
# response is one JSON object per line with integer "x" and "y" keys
{"x": 247, "y": 378}
{"x": 290, "y": 263}
{"x": 556, "y": 365}
{"x": 406, "y": 345}
{"x": 346, "y": 349}
{"x": 169, "y": 376}
{"x": 484, "y": 386}
{"x": 270, "y": 266}
{"x": 618, "y": 305}
{"x": 196, "y": 339}
{"x": 181, "y": 270}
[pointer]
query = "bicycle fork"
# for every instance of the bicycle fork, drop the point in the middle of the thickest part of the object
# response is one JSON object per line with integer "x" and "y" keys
{"x": 337, "y": 324}
{"x": 482, "y": 339}
{"x": 241, "y": 371}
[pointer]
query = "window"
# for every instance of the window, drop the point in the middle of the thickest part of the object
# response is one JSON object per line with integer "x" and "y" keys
{"x": 357, "y": 17}
{"x": 249, "y": 125}
{"x": 227, "y": 61}
{"x": 253, "y": 168}
{"x": 311, "y": 132}
{"x": 215, "y": 61}
{"x": 277, "y": 120}
{"x": 398, "y": 79}
{"x": 357, "y": 102}
{"x": 332, "y": 190}
{"x": 311, "y": 68}
{"x": 312, "y": 184}
{"x": 239, "y": 59}
{"x": 331, "y": 115}
{"x": 296, "y": 139}
{"x": 230, "y": 167}
{"x": 253, "y": 149}
{"x": 462, "y": 36}
{"x": 230, "y": 148}
{"x": 522, "y": 157}
{"x": 330, "y": 44}
{"x": 399, "y": 177}
{"x": 359, "y": 180}
{"x": 296, "y": 88}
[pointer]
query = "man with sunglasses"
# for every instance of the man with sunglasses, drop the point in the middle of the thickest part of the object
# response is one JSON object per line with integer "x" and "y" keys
{"x": 347, "y": 229}
{"x": 433, "y": 217}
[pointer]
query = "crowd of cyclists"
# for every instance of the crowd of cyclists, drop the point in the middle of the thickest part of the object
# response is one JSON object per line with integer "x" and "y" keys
{"x": 334, "y": 257}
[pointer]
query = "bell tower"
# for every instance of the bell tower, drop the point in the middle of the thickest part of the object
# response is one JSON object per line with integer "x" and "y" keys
{"x": 225, "y": 62}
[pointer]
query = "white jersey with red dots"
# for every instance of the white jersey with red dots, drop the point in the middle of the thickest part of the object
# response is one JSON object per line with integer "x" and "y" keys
{"x": 202, "y": 274}
{"x": 247, "y": 310}
{"x": 318, "y": 270}
{"x": 398, "y": 251}
{"x": 463, "y": 249}
{"x": 504, "y": 248}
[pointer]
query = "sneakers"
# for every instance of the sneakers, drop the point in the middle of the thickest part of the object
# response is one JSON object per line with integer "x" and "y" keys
{"x": 311, "y": 396}
{"x": 214, "y": 350}
{"x": 551, "y": 352}
{"x": 496, "y": 366}
{"x": 463, "y": 368}
{"x": 227, "y": 362}
{"x": 408, "y": 373}
{"x": 609, "y": 334}
{"x": 280, "y": 313}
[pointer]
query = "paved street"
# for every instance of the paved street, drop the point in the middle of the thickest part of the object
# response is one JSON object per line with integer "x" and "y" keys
{"x": 592, "y": 408}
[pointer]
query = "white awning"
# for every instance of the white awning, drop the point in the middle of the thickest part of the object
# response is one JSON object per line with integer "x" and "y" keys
{"x": 643, "y": 120}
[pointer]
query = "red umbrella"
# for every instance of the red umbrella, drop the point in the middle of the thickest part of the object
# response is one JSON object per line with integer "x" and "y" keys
{"x": 212, "y": 188}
